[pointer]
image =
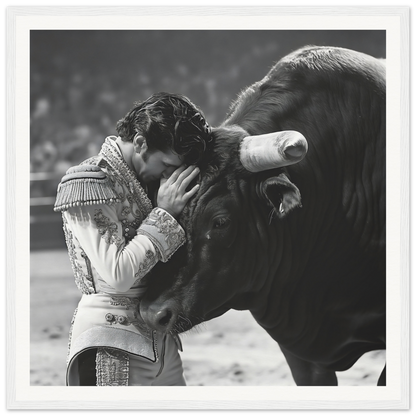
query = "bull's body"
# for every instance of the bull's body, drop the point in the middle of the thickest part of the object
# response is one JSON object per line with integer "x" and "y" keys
{"x": 314, "y": 275}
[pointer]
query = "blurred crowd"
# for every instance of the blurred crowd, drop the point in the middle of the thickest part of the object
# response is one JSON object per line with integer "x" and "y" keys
{"x": 82, "y": 82}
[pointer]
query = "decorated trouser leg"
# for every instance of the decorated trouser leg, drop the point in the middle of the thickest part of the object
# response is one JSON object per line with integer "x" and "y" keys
{"x": 112, "y": 367}
{"x": 103, "y": 367}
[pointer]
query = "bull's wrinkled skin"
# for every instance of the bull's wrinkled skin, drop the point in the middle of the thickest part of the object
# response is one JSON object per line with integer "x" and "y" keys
{"x": 314, "y": 274}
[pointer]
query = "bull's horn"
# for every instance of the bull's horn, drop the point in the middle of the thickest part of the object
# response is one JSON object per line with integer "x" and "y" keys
{"x": 272, "y": 150}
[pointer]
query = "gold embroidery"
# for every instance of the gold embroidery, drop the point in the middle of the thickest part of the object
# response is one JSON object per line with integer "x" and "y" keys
{"x": 88, "y": 276}
{"x": 70, "y": 334}
{"x": 112, "y": 367}
{"x": 169, "y": 227}
{"x": 81, "y": 279}
{"x": 107, "y": 229}
{"x": 127, "y": 179}
{"x": 125, "y": 211}
{"x": 125, "y": 301}
{"x": 164, "y": 232}
{"x": 149, "y": 261}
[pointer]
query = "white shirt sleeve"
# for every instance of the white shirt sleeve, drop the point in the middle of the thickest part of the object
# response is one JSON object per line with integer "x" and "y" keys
{"x": 100, "y": 234}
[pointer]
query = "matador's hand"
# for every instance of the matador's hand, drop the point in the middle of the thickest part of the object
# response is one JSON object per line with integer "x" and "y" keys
{"x": 172, "y": 195}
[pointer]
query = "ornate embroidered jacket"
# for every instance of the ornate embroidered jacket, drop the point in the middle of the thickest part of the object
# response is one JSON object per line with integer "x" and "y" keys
{"x": 114, "y": 237}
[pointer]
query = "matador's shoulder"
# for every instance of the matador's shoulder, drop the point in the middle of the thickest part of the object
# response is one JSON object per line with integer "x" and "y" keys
{"x": 85, "y": 184}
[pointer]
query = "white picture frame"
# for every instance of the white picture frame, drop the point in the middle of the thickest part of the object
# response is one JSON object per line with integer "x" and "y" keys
{"x": 20, "y": 394}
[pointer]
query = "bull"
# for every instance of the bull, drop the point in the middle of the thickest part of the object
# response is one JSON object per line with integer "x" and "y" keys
{"x": 290, "y": 218}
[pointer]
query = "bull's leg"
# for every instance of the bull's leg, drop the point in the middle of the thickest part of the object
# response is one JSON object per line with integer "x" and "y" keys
{"x": 382, "y": 379}
{"x": 308, "y": 374}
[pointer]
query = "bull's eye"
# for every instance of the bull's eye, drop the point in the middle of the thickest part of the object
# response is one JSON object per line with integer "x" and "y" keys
{"x": 221, "y": 222}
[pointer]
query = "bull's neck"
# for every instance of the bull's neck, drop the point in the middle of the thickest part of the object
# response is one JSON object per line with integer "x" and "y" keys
{"x": 277, "y": 266}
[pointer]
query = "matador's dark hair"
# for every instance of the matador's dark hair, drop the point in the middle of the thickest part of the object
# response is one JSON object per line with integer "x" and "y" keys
{"x": 169, "y": 122}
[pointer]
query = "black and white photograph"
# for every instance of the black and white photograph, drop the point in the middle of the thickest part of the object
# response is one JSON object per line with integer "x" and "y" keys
{"x": 209, "y": 207}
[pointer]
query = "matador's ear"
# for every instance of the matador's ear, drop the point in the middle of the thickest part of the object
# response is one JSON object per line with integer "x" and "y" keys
{"x": 139, "y": 143}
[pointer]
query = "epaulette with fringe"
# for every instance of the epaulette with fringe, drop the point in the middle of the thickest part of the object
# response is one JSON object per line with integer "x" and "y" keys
{"x": 84, "y": 185}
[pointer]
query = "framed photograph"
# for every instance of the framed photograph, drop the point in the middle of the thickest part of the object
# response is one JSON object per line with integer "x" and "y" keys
{"x": 73, "y": 72}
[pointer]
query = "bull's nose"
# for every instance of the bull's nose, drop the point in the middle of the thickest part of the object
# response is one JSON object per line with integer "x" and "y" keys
{"x": 163, "y": 318}
{"x": 159, "y": 317}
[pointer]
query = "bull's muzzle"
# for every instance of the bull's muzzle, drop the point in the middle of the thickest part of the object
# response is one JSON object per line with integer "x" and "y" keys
{"x": 272, "y": 150}
{"x": 158, "y": 316}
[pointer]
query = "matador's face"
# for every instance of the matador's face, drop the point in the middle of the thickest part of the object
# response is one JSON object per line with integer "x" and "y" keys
{"x": 151, "y": 166}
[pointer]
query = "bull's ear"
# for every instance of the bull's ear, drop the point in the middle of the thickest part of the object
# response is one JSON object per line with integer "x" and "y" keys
{"x": 281, "y": 194}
